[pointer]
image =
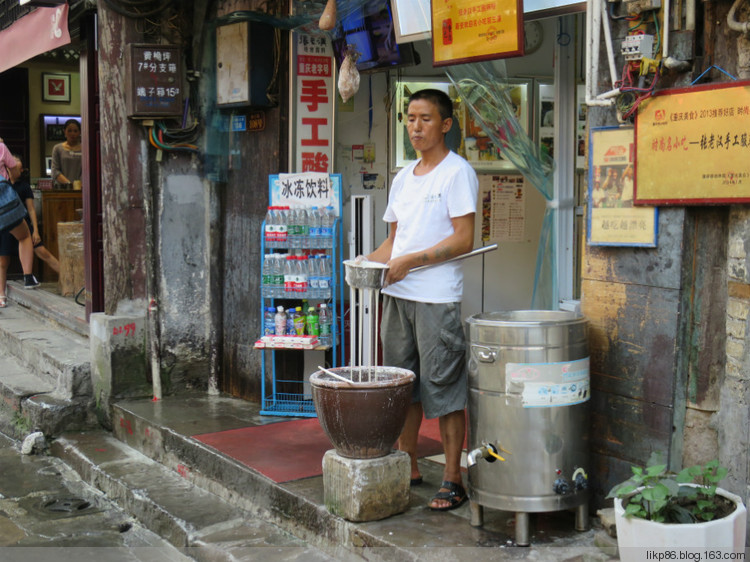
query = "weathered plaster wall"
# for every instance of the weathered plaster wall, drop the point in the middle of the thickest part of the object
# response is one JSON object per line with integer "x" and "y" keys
{"x": 185, "y": 275}
{"x": 731, "y": 420}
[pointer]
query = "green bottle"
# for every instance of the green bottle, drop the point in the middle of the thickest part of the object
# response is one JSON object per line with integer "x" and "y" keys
{"x": 313, "y": 328}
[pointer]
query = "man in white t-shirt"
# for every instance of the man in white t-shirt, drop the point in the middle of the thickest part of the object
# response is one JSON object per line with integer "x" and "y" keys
{"x": 430, "y": 211}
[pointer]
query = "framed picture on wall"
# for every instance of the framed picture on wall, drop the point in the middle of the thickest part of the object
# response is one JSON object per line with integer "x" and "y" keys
{"x": 55, "y": 132}
{"x": 613, "y": 219}
{"x": 466, "y": 137}
{"x": 56, "y": 87}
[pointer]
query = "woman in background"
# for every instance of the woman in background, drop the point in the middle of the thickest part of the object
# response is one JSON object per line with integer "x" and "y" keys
{"x": 66, "y": 156}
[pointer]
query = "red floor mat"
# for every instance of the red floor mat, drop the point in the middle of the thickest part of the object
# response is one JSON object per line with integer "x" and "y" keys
{"x": 294, "y": 449}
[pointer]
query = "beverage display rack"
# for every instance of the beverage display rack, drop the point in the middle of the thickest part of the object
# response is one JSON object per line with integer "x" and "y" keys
{"x": 276, "y": 398}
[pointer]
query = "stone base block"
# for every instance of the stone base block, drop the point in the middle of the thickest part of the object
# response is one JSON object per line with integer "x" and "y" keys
{"x": 366, "y": 489}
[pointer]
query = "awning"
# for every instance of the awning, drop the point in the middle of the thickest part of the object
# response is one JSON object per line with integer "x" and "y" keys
{"x": 40, "y": 31}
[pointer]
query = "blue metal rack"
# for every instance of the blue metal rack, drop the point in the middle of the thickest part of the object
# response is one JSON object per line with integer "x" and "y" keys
{"x": 299, "y": 404}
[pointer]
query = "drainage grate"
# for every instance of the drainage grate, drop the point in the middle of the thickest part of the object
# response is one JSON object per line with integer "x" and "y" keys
{"x": 66, "y": 505}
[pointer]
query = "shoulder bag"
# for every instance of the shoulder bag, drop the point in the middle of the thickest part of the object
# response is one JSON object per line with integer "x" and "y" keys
{"x": 11, "y": 208}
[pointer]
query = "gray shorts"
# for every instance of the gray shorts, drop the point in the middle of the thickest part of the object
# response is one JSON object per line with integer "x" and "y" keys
{"x": 428, "y": 339}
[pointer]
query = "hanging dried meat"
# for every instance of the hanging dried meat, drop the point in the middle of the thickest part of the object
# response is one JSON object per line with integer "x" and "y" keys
{"x": 349, "y": 75}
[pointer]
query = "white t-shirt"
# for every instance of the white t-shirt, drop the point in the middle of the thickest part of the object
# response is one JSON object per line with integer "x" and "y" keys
{"x": 423, "y": 207}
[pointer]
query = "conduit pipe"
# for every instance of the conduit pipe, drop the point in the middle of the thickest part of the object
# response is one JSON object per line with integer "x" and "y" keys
{"x": 593, "y": 36}
{"x": 734, "y": 25}
{"x": 670, "y": 62}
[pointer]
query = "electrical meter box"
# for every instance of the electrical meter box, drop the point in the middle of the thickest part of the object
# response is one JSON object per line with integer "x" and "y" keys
{"x": 153, "y": 81}
{"x": 245, "y": 65}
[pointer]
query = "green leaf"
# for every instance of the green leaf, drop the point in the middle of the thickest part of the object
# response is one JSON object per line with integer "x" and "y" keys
{"x": 704, "y": 504}
{"x": 656, "y": 470}
{"x": 672, "y": 486}
{"x": 684, "y": 476}
{"x": 681, "y": 515}
{"x": 633, "y": 509}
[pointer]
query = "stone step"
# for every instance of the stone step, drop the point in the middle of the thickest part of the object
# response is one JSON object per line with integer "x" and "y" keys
{"x": 166, "y": 502}
{"x": 60, "y": 311}
{"x": 289, "y": 506}
{"x": 60, "y": 357}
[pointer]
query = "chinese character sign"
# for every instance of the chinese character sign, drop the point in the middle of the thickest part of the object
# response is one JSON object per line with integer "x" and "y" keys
{"x": 613, "y": 220}
{"x": 472, "y": 30}
{"x": 693, "y": 146}
{"x": 314, "y": 103}
{"x": 309, "y": 189}
{"x": 156, "y": 80}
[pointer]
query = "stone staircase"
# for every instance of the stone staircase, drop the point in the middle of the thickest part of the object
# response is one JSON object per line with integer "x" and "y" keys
{"x": 45, "y": 364}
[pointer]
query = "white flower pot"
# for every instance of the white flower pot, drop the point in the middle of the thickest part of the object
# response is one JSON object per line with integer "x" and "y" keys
{"x": 636, "y": 536}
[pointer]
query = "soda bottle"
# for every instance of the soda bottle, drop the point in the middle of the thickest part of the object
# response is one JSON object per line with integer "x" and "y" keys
{"x": 324, "y": 324}
{"x": 280, "y": 321}
{"x": 269, "y": 323}
{"x": 313, "y": 328}
{"x": 299, "y": 321}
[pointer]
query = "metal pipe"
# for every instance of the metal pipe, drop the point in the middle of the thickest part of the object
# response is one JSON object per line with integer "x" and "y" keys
{"x": 734, "y": 25}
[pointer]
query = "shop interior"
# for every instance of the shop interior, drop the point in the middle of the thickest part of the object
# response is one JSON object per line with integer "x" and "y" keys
{"x": 48, "y": 88}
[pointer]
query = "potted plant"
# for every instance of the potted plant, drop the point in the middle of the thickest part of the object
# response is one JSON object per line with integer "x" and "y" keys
{"x": 656, "y": 508}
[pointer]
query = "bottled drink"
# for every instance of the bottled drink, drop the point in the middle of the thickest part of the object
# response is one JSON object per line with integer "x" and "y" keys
{"x": 291, "y": 316}
{"x": 302, "y": 272}
{"x": 293, "y": 229}
{"x": 299, "y": 321}
{"x": 269, "y": 322}
{"x": 325, "y": 279}
{"x": 282, "y": 225}
{"x": 267, "y": 276}
{"x": 324, "y": 324}
{"x": 313, "y": 218}
{"x": 289, "y": 275}
{"x": 313, "y": 277}
{"x": 278, "y": 274}
{"x": 280, "y": 321}
{"x": 269, "y": 231}
{"x": 326, "y": 226}
{"x": 304, "y": 227}
{"x": 313, "y": 328}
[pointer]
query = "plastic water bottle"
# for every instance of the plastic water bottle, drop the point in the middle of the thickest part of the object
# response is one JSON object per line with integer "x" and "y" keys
{"x": 325, "y": 277}
{"x": 280, "y": 321}
{"x": 282, "y": 225}
{"x": 278, "y": 273}
{"x": 324, "y": 324}
{"x": 313, "y": 219}
{"x": 313, "y": 277}
{"x": 269, "y": 322}
{"x": 302, "y": 274}
{"x": 291, "y": 315}
{"x": 266, "y": 278}
{"x": 304, "y": 227}
{"x": 269, "y": 231}
{"x": 313, "y": 326}
{"x": 289, "y": 275}
{"x": 293, "y": 228}
{"x": 326, "y": 226}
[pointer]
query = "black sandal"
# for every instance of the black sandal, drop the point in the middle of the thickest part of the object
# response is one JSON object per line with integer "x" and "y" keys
{"x": 456, "y": 495}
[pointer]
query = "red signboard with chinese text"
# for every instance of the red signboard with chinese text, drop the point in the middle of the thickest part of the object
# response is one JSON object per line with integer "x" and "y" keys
{"x": 693, "y": 146}
{"x": 314, "y": 103}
